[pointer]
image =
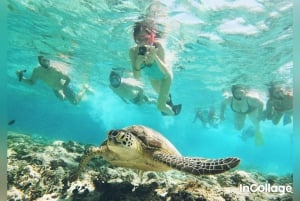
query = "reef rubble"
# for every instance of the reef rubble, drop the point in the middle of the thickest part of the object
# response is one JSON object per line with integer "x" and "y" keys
{"x": 39, "y": 169}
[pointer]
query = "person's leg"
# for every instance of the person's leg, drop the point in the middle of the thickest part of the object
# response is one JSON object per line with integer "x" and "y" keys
{"x": 255, "y": 119}
{"x": 163, "y": 88}
{"x": 276, "y": 117}
{"x": 80, "y": 95}
{"x": 71, "y": 96}
{"x": 239, "y": 120}
{"x": 287, "y": 118}
{"x": 59, "y": 94}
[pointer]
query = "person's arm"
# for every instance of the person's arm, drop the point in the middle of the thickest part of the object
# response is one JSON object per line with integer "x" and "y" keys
{"x": 258, "y": 104}
{"x": 66, "y": 78}
{"x": 31, "y": 80}
{"x": 158, "y": 55}
{"x": 223, "y": 107}
{"x": 134, "y": 64}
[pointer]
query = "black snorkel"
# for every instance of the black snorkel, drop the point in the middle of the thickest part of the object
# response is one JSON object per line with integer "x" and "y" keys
{"x": 115, "y": 79}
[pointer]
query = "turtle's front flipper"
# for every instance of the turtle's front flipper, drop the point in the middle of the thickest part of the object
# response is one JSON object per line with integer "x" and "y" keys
{"x": 197, "y": 166}
{"x": 89, "y": 154}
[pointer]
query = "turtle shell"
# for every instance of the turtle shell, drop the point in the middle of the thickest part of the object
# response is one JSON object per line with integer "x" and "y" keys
{"x": 152, "y": 140}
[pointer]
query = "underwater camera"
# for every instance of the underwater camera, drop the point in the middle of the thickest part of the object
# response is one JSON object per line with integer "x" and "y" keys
{"x": 142, "y": 50}
{"x": 20, "y": 74}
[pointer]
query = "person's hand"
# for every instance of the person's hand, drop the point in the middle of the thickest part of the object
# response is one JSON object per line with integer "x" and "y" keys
{"x": 19, "y": 74}
{"x": 140, "y": 59}
{"x": 150, "y": 55}
{"x": 61, "y": 95}
{"x": 151, "y": 50}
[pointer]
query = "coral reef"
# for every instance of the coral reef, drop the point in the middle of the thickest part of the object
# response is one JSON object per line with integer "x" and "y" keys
{"x": 39, "y": 169}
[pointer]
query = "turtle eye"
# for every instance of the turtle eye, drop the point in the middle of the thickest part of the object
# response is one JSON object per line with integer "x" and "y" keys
{"x": 113, "y": 133}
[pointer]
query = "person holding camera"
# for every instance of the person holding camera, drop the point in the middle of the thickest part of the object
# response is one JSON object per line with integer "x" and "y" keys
{"x": 55, "y": 79}
{"x": 148, "y": 56}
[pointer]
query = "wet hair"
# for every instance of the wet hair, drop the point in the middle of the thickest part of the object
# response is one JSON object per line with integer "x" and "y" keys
{"x": 235, "y": 87}
{"x": 148, "y": 25}
{"x": 40, "y": 57}
{"x": 273, "y": 88}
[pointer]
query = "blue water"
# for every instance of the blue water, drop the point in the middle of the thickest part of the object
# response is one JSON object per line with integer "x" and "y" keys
{"x": 210, "y": 44}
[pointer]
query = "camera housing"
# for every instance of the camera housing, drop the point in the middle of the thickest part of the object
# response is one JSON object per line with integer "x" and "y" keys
{"x": 20, "y": 74}
{"x": 142, "y": 50}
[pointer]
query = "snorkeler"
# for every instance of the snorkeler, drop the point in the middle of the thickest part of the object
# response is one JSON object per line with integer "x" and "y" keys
{"x": 128, "y": 89}
{"x": 243, "y": 104}
{"x": 58, "y": 81}
{"x": 279, "y": 104}
{"x": 208, "y": 117}
{"x": 148, "y": 57}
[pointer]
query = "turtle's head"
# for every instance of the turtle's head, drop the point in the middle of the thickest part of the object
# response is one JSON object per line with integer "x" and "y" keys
{"x": 122, "y": 141}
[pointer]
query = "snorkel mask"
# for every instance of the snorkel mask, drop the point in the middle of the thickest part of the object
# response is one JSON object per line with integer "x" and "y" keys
{"x": 115, "y": 79}
{"x": 151, "y": 37}
{"x": 43, "y": 61}
{"x": 237, "y": 87}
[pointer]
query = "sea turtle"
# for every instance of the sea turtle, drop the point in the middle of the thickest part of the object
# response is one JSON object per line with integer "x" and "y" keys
{"x": 142, "y": 148}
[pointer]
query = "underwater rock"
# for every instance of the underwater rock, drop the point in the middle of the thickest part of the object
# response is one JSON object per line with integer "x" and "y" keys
{"x": 39, "y": 169}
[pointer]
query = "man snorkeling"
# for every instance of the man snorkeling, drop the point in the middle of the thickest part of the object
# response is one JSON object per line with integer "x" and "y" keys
{"x": 56, "y": 80}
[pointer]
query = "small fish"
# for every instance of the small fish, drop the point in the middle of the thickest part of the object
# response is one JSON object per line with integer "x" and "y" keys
{"x": 11, "y": 122}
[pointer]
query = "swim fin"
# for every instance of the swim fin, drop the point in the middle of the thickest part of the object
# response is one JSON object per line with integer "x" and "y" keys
{"x": 170, "y": 102}
{"x": 177, "y": 109}
{"x": 258, "y": 137}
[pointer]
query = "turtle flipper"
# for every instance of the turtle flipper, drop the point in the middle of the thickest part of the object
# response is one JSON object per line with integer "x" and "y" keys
{"x": 89, "y": 154}
{"x": 197, "y": 166}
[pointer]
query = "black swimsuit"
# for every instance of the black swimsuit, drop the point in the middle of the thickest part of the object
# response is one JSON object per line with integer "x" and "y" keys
{"x": 250, "y": 108}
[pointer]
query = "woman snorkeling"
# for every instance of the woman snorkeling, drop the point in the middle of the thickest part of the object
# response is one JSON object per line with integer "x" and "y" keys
{"x": 148, "y": 56}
